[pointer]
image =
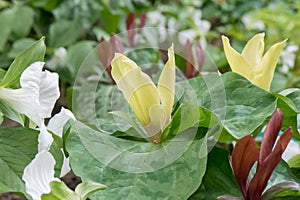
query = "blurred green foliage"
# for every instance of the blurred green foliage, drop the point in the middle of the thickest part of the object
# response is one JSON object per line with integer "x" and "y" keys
{"x": 78, "y": 26}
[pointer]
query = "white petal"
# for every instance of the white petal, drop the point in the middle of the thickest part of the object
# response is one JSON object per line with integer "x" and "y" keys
{"x": 23, "y": 102}
{"x": 38, "y": 174}
{"x": 49, "y": 93}
{"x": 43, "y": 85}
{"x": 45, "y": 138}
{"x": 57, "y": 122}
{"x": 292, "y": 150}
{"x": 65, "y": 166}
{"x": 37, "y": 95}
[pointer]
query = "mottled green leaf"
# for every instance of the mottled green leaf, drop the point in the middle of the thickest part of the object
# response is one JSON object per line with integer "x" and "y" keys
{"x": 241, "y": 106}
{"x": 18, "y": 147}
{"x": 137, "y": 170}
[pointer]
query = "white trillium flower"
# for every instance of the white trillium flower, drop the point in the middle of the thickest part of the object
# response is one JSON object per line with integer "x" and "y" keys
{"x": 59, "y": 59}
{"x": 37, "y": 95}
{"x": 288, "y": 57}
{"x": 201, "y": 28}
{"x": 38, "y": 175}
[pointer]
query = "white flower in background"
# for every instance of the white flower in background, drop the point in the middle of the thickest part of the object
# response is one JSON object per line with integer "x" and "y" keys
{"x": 201, "y": 27}
{"x": 292, "y": 150}
{"x": 157, "y": 19}
{"x": 251, "y": 23}
{"x": 37, "y": 95}
{"x": 59, "y": 59}
{"x": 287, "y": 57}
{"x": 38, "y": 175}
{"x": 173, "y": 26}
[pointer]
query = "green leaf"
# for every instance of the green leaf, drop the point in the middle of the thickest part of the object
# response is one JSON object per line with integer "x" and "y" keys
{"x": 241, "y": 106}
{"x": 23, "y": 20}
{"x": 57, "y": 154}
{"x": 60, "y": 191}
{"x": 20, "y": 45}
{"x": 288, "y": 102}
{"x": 295, "y": 98}
{"x": 218, "y": 179}
{"x": 110, "y": 20}
{"x": 294, "y": 162}
{"x": 32, "y": 54}
{"x": 10, "y": 113}
{"x": 6, "y": 19}
{"x": 18, "y": 147}
{"x": 85, "y": 189}
{"x": 64, "y": 33}
{"x": 77, "y": 54}
{"x": 137, "y": 170}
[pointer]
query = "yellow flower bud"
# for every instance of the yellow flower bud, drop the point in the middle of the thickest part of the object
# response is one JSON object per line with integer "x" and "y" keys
{"x": 151, "y": 105}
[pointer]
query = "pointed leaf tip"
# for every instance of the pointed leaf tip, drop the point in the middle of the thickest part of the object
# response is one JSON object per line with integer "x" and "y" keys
{"x": 270, "y": 134}
{"x": 244, "y": 155}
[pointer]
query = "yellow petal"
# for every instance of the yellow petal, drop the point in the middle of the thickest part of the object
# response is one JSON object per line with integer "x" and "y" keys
{"x": 136, "y": 86}
{"x": 254, "y": 49}
{"x": 267, "y": 66}
{"x": 236, "y": 61}
{"x": 166, "y": 85}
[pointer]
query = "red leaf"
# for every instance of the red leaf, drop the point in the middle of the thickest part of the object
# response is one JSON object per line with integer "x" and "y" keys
{"x": 244, "y": 155}
{"x": 116, "y": 42}
{"x": 189, "y": 68}
{"x": 142, "y": 22}
{"x": 270, "y": 135}
{"x": 265, "y": 168}
{"x": 130, "y": 28}
{"x": 200, "y": 56}
{"x": 106, "y": 53}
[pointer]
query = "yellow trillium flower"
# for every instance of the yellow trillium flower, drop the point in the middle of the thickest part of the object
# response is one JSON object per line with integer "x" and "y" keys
{"x": 251, "y": 63}
{"x": 152, "y": 105}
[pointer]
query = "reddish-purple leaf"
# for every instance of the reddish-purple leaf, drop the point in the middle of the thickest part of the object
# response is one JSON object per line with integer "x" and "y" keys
{"x": 142, "y": 22}
{"x": 189, "y": 67}
{"x": 265, "y": 168}
{"x": 270, "y": 135}
{"x": 116, "y": 42}
{"x": 244, "y": 155}
{"x": 106, "y": 53}
{"x": 200, "y": 56}
{"x": 130, "y": 28}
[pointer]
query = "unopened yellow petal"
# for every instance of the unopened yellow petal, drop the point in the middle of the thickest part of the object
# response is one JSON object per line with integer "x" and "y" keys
{"x": 267, "y": 66}
{"x": 254, "y": 49}
{"x": 136, "y": 86}
{"x": 236, "y": 61}
{"x": 166, "y": 85}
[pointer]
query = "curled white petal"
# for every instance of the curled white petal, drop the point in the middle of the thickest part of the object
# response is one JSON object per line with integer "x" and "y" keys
{"x": 38, "y": 174}
{"x": 45, "y": 138}
{"x": 57, "y": 122}
{"x": 37, "y": 95}
{"x": 65, "y": 166}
